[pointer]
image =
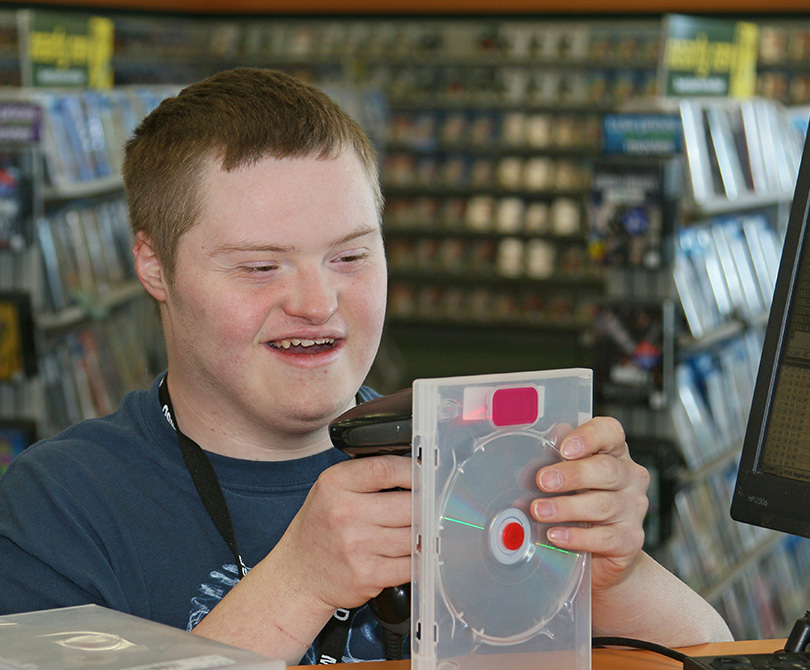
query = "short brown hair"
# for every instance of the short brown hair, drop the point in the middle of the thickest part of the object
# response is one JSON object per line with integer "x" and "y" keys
{"x": 238, "y": 117}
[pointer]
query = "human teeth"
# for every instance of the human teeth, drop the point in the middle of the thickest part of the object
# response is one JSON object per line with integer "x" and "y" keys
{"x": 295, "y": 342}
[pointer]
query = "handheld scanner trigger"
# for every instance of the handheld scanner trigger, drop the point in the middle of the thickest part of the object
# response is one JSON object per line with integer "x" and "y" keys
{"x": 380, "y": 426}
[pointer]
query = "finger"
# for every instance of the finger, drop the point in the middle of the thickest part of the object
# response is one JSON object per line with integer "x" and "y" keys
{"x": 596, "y": 507}
{"x": 394, "y": 572}
{"x": 558, "y": 432}
{"x": 375, "y": 571}
{"x": 598, "y": 472}
{"x": 390, "y": 509}
{"x": 599, "y": 435}
{"x": 365, "y": 475}
{"x": 611, "y": 540}
{"x": 394, "y": 542}
{"x": 383, "y": 543}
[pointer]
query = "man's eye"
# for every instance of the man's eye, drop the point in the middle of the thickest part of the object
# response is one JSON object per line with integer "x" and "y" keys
{"x": 257, "y": 269}
{"x": 351, "y": 258}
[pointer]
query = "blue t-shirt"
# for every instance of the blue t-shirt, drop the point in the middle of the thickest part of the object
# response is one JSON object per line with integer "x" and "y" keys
{"x": 106, "y": 513}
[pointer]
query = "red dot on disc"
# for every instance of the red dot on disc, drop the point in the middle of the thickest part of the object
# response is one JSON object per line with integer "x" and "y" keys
{"x": 512, "y": 536}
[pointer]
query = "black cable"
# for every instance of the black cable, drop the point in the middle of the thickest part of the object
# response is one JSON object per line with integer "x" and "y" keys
{"x": 638, "y": 644}
{"x": 394, "y": 643}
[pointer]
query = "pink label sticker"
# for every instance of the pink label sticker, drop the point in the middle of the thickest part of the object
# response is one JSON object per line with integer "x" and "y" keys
{"x": 515, "y": 406}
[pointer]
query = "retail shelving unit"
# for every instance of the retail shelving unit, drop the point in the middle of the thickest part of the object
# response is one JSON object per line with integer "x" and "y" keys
{"x": 679, "y": 340}
{"x": 91, "y": 335}
{"x": 494, "y": 127}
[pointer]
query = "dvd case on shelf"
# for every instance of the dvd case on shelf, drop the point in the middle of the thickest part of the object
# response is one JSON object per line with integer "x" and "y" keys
{"x": 18, "y": 357}
{"x": 726, "y": 150}
{"x": 83, "y": 132}
{"x": 86, "y": 370}
{"x": 490, "y": 589}
{"x": 15, "y": 200}
{"x": 736, "y": 151}
{"x": 85, "y": 252}
{"x": 725, "y": 270}
{"x": 633, "y": 352}
{"x": 632, "y": 214}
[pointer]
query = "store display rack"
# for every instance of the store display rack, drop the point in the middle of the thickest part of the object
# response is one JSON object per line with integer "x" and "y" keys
{"x": 65, "y": 250}
{"x": 679, "y": 335}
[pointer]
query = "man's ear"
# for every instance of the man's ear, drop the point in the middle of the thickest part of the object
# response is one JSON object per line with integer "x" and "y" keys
{"x": 148, "y": 267}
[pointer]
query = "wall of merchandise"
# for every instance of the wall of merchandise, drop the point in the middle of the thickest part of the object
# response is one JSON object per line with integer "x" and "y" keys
{"x": 88, "y": 334}
{"x": 514, "y": 241}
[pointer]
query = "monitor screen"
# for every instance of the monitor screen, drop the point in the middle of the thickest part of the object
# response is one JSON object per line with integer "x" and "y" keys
{"x": 773, "y": 481}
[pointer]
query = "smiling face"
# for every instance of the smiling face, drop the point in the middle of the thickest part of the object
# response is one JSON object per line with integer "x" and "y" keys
{"x": 276, "y": 306}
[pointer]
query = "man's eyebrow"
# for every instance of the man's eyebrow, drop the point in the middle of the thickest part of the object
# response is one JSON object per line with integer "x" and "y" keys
{"x": 249, "y": 246}
{"x": 360, "y": 232}
{"x": 282, "y": 248}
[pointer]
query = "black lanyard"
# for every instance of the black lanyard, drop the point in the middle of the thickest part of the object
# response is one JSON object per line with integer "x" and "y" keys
{"x": 204, "y": 478}
{"x": 336, "y": 632}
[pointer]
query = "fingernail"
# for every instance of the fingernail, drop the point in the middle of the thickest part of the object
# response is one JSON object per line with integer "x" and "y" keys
{"x": 550, "y": 480}
{"x": 572, "y": 447}
{"x": 558, "y": 534}
{"x": 544, "y": 509}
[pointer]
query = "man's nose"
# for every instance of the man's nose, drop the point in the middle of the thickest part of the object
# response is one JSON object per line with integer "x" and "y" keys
{"x": 312, "y": 296}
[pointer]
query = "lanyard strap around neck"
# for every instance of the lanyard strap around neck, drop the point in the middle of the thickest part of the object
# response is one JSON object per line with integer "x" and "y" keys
{"x": 204, "y": 478}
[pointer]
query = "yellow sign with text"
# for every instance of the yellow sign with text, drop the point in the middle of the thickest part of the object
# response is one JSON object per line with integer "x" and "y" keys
{"x": 709, "y": 57}
{"x": 68, "y": 50}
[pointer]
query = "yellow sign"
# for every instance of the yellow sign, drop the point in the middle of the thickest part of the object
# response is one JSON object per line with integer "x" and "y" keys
{"x": 69, "y": 50}
{"x": 709, "y": 57}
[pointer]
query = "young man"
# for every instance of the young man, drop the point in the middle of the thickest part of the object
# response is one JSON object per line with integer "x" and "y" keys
{"x": 256, "y": 209}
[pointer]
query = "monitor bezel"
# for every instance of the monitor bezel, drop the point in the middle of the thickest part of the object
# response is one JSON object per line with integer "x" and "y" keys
{"x": 759, "y": 498}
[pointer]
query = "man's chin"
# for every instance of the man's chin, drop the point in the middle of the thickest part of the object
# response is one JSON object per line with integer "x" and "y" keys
{"x": 309, "y": 420}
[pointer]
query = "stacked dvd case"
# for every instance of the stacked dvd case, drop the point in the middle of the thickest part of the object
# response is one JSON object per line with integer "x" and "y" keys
{"x": 738, "y": 151}
{"x": 725, "y": 271}
{"x": 85, "y": 252}
{"x": 89, "y": 366}
{"x": 93, "y": 636}
{"x": 84, "y": 131}
{"x": 490, "y": 588}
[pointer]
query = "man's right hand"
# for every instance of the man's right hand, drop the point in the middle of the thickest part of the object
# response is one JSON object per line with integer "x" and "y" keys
{"x": 352, "y": 536}
{"x": 350, "y": 539}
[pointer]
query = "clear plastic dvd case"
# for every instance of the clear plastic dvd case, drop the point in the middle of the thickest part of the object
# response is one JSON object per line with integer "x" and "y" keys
{"x": 90, "y": 636}
{"x": 490, "y": 590}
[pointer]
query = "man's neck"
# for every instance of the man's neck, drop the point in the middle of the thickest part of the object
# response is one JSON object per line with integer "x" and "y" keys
{"x": 213, "y": 431}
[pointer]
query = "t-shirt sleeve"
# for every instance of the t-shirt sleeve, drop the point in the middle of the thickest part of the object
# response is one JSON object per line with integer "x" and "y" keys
{"x": 50, "y": 553}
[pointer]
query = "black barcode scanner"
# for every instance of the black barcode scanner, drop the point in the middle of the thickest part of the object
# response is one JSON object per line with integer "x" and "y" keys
{"x": 381, "y": 426}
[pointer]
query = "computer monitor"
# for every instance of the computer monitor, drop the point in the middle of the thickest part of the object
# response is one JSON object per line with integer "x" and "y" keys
{"x": 773, "y": 480}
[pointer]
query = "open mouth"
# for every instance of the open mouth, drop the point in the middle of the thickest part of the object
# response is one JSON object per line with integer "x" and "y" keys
{"x": 295, "y": 345}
